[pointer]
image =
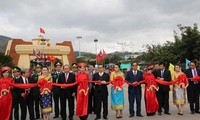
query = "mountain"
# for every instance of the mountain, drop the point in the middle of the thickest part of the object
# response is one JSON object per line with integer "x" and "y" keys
{"x": 3, "y": 41}
{"x": 118, "y": 53}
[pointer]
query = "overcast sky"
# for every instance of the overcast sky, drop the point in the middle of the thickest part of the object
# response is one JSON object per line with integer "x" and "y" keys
{"x": 135, "y": 22}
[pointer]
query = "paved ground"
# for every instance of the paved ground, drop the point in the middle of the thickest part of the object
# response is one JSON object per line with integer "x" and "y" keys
{"x": 173, "y": 110}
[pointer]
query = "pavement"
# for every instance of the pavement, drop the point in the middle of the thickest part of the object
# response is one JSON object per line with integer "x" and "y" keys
{"x": 173, "y": 111}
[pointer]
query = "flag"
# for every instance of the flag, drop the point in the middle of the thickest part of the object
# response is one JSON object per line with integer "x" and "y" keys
{"x": 187, "y": 63}
{"x": 171, "y": 68}
{"x": 104, "y": 54}
{"x": 42, "y": 30}
{"x": 33, "y": 51}
{"x": 38, "y": 54}
{"x": 99, "y": 57}
{"x": 138, "y": 68}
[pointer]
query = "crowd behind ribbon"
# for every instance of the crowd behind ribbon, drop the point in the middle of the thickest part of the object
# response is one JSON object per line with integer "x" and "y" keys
{"x": 87, "y": 88}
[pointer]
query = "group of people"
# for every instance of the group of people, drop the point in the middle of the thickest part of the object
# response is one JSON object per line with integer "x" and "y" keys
{"x": 88, "y": 89}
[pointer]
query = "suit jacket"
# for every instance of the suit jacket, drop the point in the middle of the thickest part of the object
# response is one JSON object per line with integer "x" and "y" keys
{"x": 91, "y": 86}
{"x": 189, "y": 74}
{"x": 36, "y": 90}
{"x": 71, "y": 79}
{"x": 55, "y": 77}
{"x": 155, "y": 72}
{"x": 30, "y": 81}
{"x": 19, "y": 91}
{"x": 101, "y": 89}
{"x": 131, "y": 78}
{"x": 166, "y": 76}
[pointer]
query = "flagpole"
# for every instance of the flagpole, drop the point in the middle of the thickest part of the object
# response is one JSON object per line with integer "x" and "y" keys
{"x": 95, "y": 41}
{"x": 43, "y": 43}
{"x": 79, "y": 37}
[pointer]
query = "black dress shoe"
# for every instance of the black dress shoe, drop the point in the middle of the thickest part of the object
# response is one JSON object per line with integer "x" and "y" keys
{"x": 131, "y": 116}
{"x": 97, "y": 118}
{"x": 197, "y": 112}
{"x": 71, "y": 118}
{"x": 37, "y": 118}
{"x": 105, "y": 118}
{"x": 56, "y": 116}
{"x": 192, "y": 112}
{"x": 167, "y": 113}
{"x": 140, "y": 115}
{"x": 90, "y": 112}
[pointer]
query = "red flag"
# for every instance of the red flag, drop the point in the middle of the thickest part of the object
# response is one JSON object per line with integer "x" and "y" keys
{"x": 99, "y": 57}
{"x": 104, "y": 54}
{"x": 38, "y": 54}
{"x": 42, "y": 31}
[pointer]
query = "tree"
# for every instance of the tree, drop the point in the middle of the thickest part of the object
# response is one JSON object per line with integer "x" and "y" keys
{"x": 185, "y": 45}
{"x": 189, "y": 42}
{"x": 5, "y": 60}
{"x": 115, "y": 58}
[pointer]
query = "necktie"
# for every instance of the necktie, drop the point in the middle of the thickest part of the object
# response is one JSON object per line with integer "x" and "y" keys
{"x": 66, "y": 77}
{"x": 135, "y": 73}
{"x": 58, "y": 74}
{"x": 26, "y": 80}
{"x": 195, "y": 72}
{"x": 162, "y": 72}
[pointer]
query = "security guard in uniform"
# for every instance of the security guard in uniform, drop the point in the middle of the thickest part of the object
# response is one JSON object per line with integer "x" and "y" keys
{"x": 36, "y": 91}
{"x": 74, "y": 68}
{"x": 56, "y": 89}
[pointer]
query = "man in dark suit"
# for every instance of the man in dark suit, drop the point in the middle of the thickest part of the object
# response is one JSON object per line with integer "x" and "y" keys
{"x": 36, "y": 91}
{"x": 163, "y": 92}
{"x": 56, "y": 90}
{"x": 193, "y": 88}
{"x": 156, "y": 68}
{"x": 16, "y": 76}
{"x": 101, "y": 92}
{"x": 21, "y": 97}
{"x": 91, "y": 100}
{"x": 28, "y": 93}
{"x": 67, "y": 93}
{"x": 134, "y": 75}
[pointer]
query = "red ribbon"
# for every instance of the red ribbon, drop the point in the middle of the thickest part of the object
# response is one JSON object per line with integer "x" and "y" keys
{"x": 182, "y": 80}
{"x": 65, "y": 85}
{"x": 197, "y": 78}
{"x": 23, "y": 86}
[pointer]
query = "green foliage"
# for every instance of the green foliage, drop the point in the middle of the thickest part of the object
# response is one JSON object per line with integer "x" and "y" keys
{"x": 115, "y": 58}
{"x": 185, "y": 45}
{"x": 5, "y": 60}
